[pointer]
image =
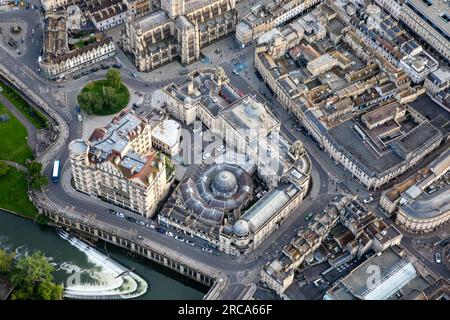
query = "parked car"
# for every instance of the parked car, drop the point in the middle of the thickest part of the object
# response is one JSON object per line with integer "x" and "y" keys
{"x": 104, "y": 66}
{"x": 190, "y": 243}
{"x": 120, "y": 215}
{"x": 308, "y": 216}
{"x": 438, "y": 257}
{"x": 160, "y": 230}
{"x": 170, "y": 234}
{"x": 134, "y": 75}
{"x": 78, "y": 109}
{"x": 117, "y": 66}
{"x": 208, "y": 250}
{"x": 111, "y": 211}
{"x": 181, "y": 239}
{"x": 140, "y": 237}
{"x": 142, "y": 223}
{"x": 149, "y": 226}
{"x": 131, "y": 219}
{"x": 79, "y": 117}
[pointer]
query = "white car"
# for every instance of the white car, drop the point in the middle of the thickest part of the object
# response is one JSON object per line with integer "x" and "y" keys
{"x": 202, "y": 133}
{"x": 120, "y": 214}
{"x": 169, "y": 234}
{"x": 181, "y": 239}
{"x": 206, "y": 156}
{"x": 438, "y": 257}
{"x": 79, "y": 117}
{"x": 208, "y": 250}
{"x": 368, "y": 200}
{"x": 190, "y": 243}
{"x": 150, "y": 226}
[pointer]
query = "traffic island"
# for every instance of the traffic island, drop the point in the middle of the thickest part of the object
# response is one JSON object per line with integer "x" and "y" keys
{"x": 104, "y": 97}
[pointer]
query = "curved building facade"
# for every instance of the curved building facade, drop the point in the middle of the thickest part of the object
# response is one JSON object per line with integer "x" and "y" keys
{"x": 427, "y": 214}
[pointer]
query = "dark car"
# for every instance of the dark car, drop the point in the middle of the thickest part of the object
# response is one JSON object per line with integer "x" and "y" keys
{"x": 104, "y": 66}
{"x": 78, "y": 109}
{"x": 117, "y": 66}
{"x": 131, "y": 219}
{"x": 95, "y": 69}
{"x": 160, "y": 230}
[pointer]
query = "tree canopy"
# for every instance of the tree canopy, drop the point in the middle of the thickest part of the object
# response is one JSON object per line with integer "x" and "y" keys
{"x": 4, "y": 168}
{"x": 37, "y": 180}
{"x": 6, "y": 261}
{"x": 105, "y": 96}
{"x": 33, "y": 279}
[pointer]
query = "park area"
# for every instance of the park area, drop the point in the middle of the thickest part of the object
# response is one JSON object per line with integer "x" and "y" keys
{"x": 104, "y": 97}
{"x": 14, "y": 147}
{"x": 13, "y": 142}
{"x": 13, "y": 193}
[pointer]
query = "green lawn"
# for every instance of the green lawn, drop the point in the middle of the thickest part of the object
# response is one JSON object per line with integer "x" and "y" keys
{"x": 122, "y": 96}
{"x": 35, "y": 117}
{"x": 13, "y": 143}
{"x": 13, "y": 193}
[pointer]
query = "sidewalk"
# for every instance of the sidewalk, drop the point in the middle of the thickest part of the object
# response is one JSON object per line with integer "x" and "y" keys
{"x": 16, "y": 165}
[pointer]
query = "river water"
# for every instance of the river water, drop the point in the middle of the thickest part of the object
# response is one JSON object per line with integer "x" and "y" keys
{"x": 24, "y": 236}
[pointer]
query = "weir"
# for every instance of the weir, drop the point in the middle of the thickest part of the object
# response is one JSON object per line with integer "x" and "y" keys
{"x": 117, "y": 282}
{"x": 95, "y": 229}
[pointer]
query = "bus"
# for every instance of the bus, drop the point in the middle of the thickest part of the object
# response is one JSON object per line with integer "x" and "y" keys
{"x": 55, "y": 174}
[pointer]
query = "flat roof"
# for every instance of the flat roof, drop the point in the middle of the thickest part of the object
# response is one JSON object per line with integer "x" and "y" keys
{"x": 168, "y": 131}
{"x": 249, "y": 114}
{"x": 433, "y": 11}
{"x": 347, "y": 138}
{"x": 433, "y": 112}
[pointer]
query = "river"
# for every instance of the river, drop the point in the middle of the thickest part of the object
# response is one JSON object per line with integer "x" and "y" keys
{"x": 24, "y": 236}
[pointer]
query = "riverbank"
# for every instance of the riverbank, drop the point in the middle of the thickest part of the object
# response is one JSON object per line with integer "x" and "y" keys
{"x": 24, "y": 237}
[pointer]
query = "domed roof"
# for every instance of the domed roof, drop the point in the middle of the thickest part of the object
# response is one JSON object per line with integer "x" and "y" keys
{"x": 224, "y": 182}
{"x": 241, "y": 228}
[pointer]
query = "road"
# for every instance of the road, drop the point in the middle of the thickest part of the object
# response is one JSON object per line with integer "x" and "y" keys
{"x": 239, "y": 269}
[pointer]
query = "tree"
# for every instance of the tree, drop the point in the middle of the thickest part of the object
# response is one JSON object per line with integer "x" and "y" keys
{"x": 33, "y": 279}
{"x": 4, "y": 168}
{"x": 109, "y": 97}
{"x": 34, "y": 167}
{"x": 6, "y": 261}
{"x": 114, "y": 78}
{"x": 37, "y": 180}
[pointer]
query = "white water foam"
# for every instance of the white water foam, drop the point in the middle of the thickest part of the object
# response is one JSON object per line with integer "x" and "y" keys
{"x": 112, "y": 281}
